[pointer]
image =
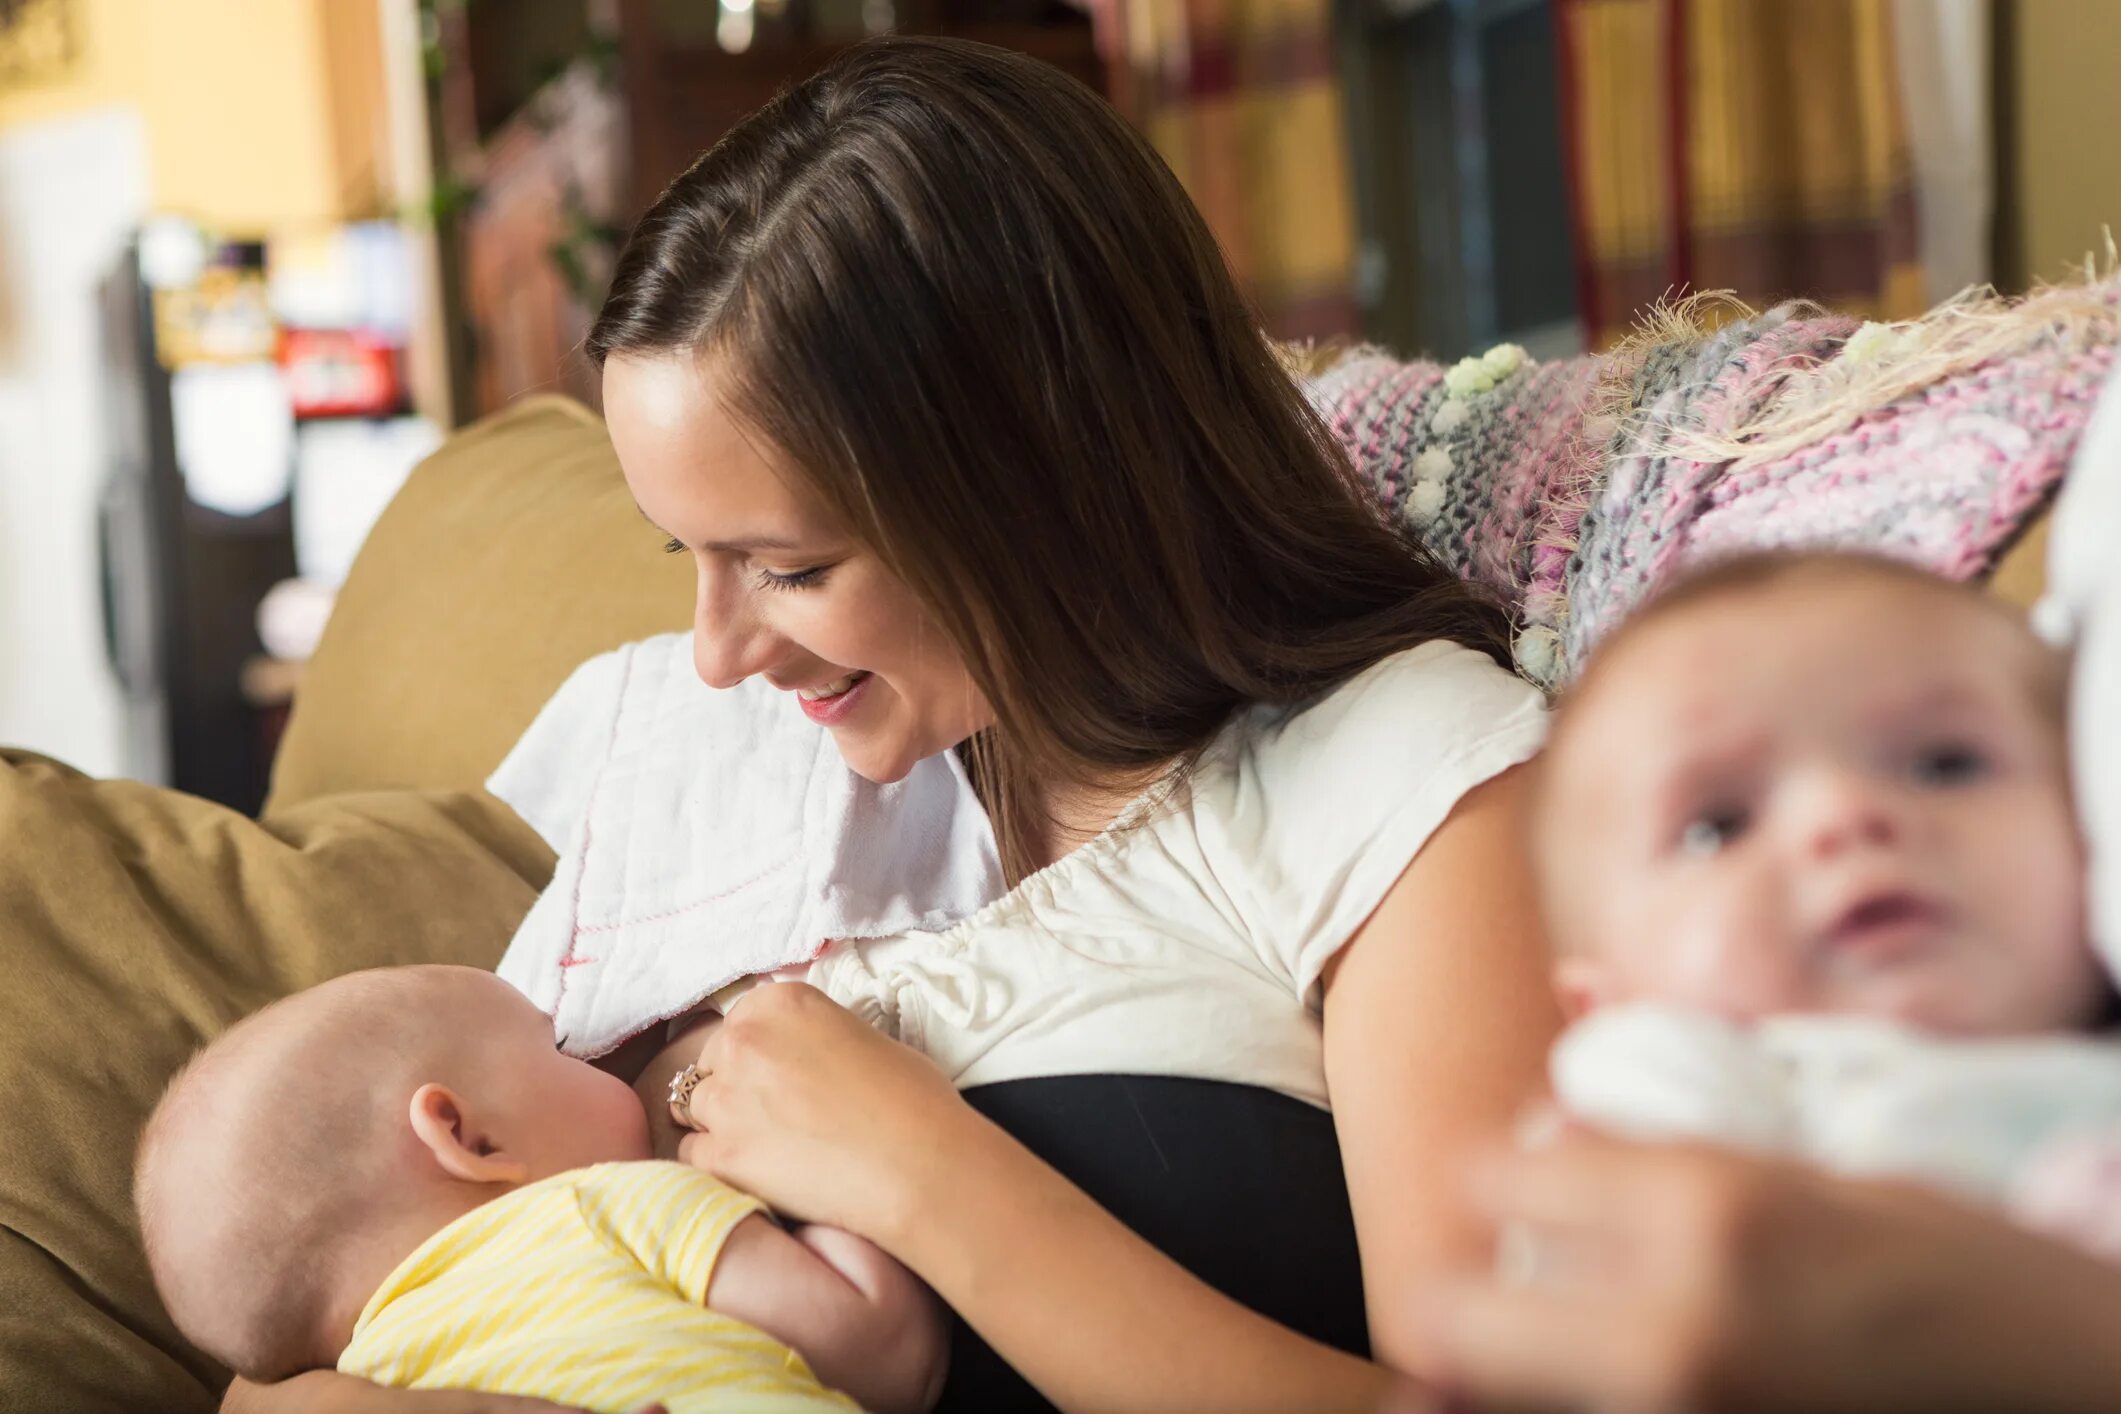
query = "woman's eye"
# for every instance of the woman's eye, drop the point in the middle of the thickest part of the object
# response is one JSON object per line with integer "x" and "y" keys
{"x": 801, "y": 579}
{"x": 1710, "y": 831}
{"x": 1951, "y": 765}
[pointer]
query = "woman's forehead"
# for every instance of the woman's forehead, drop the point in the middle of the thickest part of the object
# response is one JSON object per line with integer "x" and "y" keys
{"x": 695, "y": 469}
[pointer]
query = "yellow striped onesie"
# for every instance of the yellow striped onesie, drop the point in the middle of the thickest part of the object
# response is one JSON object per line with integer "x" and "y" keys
{"x": 588, "y": 1289}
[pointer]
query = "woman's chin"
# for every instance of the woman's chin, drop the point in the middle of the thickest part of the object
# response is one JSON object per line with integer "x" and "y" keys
{"x": 882, "y": 763}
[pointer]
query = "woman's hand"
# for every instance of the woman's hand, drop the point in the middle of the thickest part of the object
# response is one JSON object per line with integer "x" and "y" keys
{"x": 820, "y": 1115}
{"x": 1683, "y": 1279}
{"x": 652, "y": 1085}
{"x": 832, "y": 1122}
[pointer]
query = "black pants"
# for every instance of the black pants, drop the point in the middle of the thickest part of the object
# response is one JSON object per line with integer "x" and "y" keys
{"x": 1241, "y": 1186}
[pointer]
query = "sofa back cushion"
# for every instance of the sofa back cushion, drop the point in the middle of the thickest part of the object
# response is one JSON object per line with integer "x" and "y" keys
{"x": 510, "y": 556}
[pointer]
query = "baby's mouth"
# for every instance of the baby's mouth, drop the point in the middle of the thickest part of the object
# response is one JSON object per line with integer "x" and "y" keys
{"x": 1884, "y": 928}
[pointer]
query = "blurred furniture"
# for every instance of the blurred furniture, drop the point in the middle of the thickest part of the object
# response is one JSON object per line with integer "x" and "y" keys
{"x": 256, "y": 428}
{"x": 1461, "y": 192}
{"x": 181, "y": 580}
{"x": 1725, "y": 144}
{"x": 1242, "y": 101}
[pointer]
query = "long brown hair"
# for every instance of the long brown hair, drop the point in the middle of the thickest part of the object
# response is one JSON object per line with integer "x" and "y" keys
{"x": 977, "y": 311}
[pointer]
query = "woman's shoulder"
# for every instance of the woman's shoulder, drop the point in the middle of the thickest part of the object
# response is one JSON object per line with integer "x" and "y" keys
{"x": 1316, "y": 810}
{"x": 1423, "y": 705}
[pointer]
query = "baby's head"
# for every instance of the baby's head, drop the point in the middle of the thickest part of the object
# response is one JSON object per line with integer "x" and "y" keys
{"x": 1819, "y": 783}
{"x": 297, "y": 1160}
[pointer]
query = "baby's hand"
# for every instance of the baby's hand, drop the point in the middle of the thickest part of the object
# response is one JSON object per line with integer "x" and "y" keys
{"x": 865, "y": 1324}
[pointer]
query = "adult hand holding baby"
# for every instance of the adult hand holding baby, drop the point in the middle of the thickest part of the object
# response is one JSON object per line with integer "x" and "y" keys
{"x": 1696, "y": 1280}
{"x": 819, "y": 1114}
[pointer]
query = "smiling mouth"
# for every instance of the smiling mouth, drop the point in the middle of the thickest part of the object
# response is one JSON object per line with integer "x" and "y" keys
{"x": 838, "y": 687}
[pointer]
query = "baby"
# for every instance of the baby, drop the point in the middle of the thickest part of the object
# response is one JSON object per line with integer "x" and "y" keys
{"x": 397, "y": 1174}
{"x": 1805, "y": 845}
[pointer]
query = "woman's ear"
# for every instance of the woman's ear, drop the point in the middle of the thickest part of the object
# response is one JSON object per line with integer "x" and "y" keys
{"x": 440, "y": 1122}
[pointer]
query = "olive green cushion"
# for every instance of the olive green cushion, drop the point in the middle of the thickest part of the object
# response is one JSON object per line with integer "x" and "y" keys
{"x": 138, "y": 923}
{"x": 513, "y": 554}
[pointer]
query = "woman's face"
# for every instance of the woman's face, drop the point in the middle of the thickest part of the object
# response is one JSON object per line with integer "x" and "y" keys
{"x": 785, "y": 592}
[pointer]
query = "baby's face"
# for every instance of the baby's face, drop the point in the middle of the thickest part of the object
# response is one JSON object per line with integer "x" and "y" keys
{"x": 557, "y": 1113}
{"x": 1838, "y": 793}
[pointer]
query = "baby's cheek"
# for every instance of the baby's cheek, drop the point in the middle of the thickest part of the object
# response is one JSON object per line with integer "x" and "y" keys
{"x": 1726, "y": 952}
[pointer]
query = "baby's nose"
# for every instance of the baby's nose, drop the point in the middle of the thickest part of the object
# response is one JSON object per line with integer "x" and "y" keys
{"x": 1840, "y": 811}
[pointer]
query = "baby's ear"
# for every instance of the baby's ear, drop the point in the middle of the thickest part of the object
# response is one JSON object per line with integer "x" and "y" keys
{"x": 444, "y": 1126}
{"x": 1582, "y": 986}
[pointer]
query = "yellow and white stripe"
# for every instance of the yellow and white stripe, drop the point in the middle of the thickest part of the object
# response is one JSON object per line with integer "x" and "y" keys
{"x": 587, "y": 1289}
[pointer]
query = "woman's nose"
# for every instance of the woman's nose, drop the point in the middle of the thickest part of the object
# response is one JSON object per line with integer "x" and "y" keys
{"x": 728, "y": 642}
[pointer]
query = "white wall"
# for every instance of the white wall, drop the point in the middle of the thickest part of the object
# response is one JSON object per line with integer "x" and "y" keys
{"x": 71, "y": 189}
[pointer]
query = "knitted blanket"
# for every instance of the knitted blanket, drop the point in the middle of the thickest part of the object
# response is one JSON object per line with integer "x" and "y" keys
{"x": 1575, "y": 488}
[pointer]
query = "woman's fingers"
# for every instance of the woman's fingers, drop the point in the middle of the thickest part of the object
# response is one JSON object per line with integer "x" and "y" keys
{"x": 1654, "y": 1204}
{"x": 1526, "y": 1345}
{"x": 802, "y": 1103}
{"x": 1584, "y": 1183}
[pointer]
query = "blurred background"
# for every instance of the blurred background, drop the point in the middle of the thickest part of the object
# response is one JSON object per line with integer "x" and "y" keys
{"x": 257, "y": 257}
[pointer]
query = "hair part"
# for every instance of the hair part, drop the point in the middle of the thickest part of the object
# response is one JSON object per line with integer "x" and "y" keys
{"x": 978, "y": 315}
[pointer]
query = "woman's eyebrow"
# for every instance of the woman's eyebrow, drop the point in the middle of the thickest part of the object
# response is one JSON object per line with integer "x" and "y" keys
{"x": 736, "y": 547}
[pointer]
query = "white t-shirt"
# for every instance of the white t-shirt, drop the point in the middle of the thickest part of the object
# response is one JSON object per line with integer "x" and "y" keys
{"x": 1189, "y": 942}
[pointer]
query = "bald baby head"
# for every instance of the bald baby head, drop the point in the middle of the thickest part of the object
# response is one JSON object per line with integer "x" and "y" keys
{"x": 268, "y": 1151}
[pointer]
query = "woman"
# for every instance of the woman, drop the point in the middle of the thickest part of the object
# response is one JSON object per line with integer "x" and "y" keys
{"x": 944, "y": 386}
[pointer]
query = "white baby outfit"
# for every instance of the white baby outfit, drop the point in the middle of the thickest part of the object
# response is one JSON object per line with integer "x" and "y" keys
{"x": 1188, "y": 941}
{"x": 2019, "y": 1121}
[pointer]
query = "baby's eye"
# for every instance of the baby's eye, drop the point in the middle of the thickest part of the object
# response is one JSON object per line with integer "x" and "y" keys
{"x": 1708, "y": 832}
{"x": 1952, "y": 764}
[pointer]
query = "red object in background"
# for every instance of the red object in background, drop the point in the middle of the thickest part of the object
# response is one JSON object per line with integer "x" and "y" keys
{"x": 341, "y": 373}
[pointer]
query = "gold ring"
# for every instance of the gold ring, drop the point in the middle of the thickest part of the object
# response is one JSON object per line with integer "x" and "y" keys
{"x": 681, "y": 1087}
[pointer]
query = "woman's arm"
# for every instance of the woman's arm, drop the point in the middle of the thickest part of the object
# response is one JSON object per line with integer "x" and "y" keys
{"x": 1686, "y": 1279}
{"x": 1438, "y": 1017}
{"x": 834, "y": 1123}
